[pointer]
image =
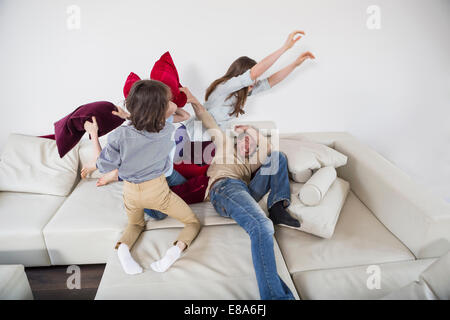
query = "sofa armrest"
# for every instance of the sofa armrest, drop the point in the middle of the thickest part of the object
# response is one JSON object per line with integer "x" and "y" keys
{"x": 415, "y": 216}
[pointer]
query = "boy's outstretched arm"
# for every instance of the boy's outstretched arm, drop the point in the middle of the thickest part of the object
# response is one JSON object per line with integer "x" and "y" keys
{"x": 92, "y": 129}
{"x": 109, "y": 161}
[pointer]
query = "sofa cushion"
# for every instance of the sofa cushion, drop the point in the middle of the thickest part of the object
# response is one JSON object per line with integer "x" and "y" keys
{"x": 418, "y": 218}
{"x": 304, "y": 156}
{"x": 85, "y": 227}
{"x": 416, "y": 290}
{"x": 318, "y": 220}
{"x": 352, "y": 283}
{"x": 437, "y": 277}
{"x": 432, "y": 284}
{"x": 92, "y": 217}
{"x": 14, "y": 283}
{"x": 358, "y": 239}
{"x": 204, "y": 211}
{"x": 32, "y": 164}
{"x": 218, "y": 265}
{"x": 22, "y": 218}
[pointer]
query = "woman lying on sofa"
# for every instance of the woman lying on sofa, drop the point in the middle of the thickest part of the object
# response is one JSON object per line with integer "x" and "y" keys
{"x": 234, "y": 194}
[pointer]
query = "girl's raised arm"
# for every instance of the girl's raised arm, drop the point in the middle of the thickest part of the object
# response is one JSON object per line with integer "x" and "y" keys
{"x": 283, "y": 73}
{"x": 180, "y": 115}
{"x": 257, "y": 70}
{"x": 204, "y": 116}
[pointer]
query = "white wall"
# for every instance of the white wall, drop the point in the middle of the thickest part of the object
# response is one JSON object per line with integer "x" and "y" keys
{"x": 388, "y": 87}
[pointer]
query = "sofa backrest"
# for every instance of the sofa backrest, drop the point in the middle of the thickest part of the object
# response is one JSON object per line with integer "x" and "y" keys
{"x": 410, "y": 211}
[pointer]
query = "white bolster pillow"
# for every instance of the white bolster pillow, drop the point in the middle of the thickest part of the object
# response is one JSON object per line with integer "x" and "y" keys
{"x": 313, "y": 191}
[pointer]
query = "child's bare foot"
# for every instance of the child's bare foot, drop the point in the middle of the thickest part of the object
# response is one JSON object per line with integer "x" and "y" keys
{"x": 87, "y": 171}
{"x": 108, "y": 178}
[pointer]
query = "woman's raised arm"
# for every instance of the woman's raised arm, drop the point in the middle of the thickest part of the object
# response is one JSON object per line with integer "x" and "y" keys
{"x": 257, "y": 70}
{"x": 277, "y": 77}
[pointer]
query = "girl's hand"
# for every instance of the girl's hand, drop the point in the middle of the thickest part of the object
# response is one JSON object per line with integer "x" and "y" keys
{"x": 189, "y": 95}
{"x": 248, "y": 129}
{"x": 240, "y": 128}
{"x": 121, "y": 113}
{"x": 303, "y": 57}
{"x": 181, "y": 115}
{"x": 196, "y": 105}
{"x": 292, "y": 39}
{"x": 91, "y": 127}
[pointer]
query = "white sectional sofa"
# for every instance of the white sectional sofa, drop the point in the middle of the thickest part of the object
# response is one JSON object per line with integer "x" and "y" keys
{"x": 387, "y": 221}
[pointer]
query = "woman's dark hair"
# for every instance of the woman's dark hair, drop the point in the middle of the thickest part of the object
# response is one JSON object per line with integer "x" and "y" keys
{"x": 238, "y": 67}
{"x": 147, "y": 103}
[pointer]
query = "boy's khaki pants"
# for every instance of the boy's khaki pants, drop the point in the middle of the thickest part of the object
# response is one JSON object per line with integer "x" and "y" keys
{"x": 155, "y": 194}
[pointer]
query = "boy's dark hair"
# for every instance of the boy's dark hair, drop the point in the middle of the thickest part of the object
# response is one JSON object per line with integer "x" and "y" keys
{"x": 147, "y": 103}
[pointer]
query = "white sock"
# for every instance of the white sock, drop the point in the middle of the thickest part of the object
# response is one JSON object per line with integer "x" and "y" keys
{"x": 171, "y": 256}
{"x": 128, "y": 264}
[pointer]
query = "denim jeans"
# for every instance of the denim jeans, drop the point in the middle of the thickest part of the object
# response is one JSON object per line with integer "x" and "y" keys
{"x": 174, "y": 179}
{"x": 234, "y": 199}
{"x": 272, "y": 175}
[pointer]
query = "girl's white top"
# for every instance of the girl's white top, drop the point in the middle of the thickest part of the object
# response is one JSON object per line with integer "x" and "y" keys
{"x": 220, "y": 107}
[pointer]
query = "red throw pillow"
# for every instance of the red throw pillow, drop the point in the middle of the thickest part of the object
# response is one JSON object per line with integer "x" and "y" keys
{"x": 193, "y": 190}
{"x": 131, "y": 79}
{"x": 195, "y": 152}
{"x": 190, "y": 170}
{"x": 193, "y": 158}
{"x": 165, "y": 71}
{"x": 70, "y": 129}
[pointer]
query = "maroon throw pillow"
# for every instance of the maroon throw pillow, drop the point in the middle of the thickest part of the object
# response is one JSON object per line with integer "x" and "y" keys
{"x": 70, "y": 129}
{"x": 190, "y": 170}
{"x": 48, "y": 136}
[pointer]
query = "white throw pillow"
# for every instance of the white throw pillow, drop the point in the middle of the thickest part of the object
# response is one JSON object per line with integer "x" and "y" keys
{"x": 313, "y": 191}
{"x": 318, "y": 220}
{"x": 32, "y": 164}
{"x": 304, "y": 156}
